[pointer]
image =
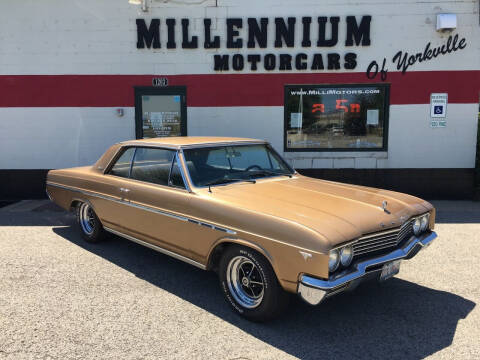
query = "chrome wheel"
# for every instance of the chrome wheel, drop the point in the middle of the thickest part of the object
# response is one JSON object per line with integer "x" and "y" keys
{"x": 245, "y": 282}
{"x": 87, "y": 218}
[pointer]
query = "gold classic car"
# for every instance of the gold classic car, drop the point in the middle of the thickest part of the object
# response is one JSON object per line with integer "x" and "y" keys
{"x": 235, "y": 206}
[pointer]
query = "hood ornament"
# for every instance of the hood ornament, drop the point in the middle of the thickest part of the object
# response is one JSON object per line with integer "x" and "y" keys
{"x": 384, "y": 206}
{"x": 305, "y": 255}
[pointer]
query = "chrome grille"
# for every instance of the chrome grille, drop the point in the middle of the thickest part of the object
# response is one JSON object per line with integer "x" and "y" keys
{"x": 383, "y": 240}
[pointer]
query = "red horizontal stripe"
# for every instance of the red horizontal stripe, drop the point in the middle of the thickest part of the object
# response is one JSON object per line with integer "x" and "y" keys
{"x": 223, "y": 89}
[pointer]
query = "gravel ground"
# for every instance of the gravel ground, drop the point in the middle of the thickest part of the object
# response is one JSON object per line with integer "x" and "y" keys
{"x": 61, "y": 298}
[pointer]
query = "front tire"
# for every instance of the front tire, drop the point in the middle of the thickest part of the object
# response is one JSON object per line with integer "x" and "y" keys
{"x": 89, "y": 223}
{"x": 250, "y": 285}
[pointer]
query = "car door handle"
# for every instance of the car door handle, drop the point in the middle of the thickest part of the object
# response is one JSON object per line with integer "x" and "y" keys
{"x": 125, "y": 190}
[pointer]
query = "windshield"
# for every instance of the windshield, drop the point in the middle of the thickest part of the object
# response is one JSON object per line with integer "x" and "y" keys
{"x": 224, "y": 164}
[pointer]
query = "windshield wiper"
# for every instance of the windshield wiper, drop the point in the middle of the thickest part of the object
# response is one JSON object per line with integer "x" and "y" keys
{"x": 226, "y": 181}
{"x": 270, "y": 172}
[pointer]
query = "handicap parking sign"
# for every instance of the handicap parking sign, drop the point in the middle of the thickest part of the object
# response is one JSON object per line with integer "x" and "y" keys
{"x": 438, "y": 105}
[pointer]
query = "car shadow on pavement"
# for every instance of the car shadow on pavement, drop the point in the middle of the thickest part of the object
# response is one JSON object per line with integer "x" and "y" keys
{"x": 397, "y": 319}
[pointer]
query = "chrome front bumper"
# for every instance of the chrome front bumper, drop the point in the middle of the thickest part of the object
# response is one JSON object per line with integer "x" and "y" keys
{"x": 314, "y": 290}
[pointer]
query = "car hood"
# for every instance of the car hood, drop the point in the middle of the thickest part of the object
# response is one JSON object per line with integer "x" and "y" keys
{"x": 338, "y": 212}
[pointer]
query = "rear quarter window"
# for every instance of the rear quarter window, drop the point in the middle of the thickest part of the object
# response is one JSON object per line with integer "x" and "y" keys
{"x": 121, "y": 167}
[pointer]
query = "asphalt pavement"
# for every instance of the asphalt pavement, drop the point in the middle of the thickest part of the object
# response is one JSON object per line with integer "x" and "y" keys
{"x": 62, "y": 298}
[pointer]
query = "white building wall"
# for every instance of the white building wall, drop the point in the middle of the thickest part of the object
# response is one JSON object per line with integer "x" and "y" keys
{"x": 99, "y": 37}
{"x": 46, "y": 138}
{"x": 61, "y": 137}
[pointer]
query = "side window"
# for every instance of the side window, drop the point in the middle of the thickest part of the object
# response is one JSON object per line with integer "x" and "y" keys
{"x": 176, "y": 179}
{"x": 122, "y": 165}
{"x": 152, "y": 165}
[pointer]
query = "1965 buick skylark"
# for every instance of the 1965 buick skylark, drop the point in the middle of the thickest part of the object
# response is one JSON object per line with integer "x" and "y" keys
{"x": 234, "y": 206}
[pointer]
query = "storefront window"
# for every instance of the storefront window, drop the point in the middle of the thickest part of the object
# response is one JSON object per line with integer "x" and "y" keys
{"x": 336, "y": 117}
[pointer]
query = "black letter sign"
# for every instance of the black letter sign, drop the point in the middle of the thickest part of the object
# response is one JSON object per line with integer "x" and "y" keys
{"x": 256, "y": 32}
{"x": 350, "y": 61}
{"x": 282, "y": 31}
{"x": 188, "y": 44}
{"x": 322, "y": 24}
{"x": 150, "y": 36}
{"x": 359, "y": 33}
{"x": 253, "y": 59}
{"x": 237, "y": 62}
{"x": 232, "y": 33}
{"x": 221, "y": 62}
{"x": 209, "y": 44}
{"x": 171, "y": 34}
{"x": 306, "y": 21}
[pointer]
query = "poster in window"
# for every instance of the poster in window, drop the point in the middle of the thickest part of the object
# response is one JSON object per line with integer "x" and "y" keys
{"x": 372, "y": 117}
{"x": 161, "y": 116}
{"x": 335, "y": 117}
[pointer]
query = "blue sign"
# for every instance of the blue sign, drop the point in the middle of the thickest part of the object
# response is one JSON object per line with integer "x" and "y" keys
{"x": 438, "y": 109}
{"x": 438, "y": 105}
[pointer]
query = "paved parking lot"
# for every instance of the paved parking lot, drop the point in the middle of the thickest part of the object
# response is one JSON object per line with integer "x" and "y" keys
{"x": 61, "y": 298}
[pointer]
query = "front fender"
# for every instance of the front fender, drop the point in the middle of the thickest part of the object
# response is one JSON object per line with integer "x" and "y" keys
{"x": 288, "y": 262}
{"x": 243, "y": 242}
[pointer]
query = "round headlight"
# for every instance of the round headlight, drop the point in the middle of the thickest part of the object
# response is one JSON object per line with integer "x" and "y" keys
{"x": 424, "y": 222}
{"x": 333, "y": 261}
{"x": 346, "y": 255}
{"x": 417, "y": 224}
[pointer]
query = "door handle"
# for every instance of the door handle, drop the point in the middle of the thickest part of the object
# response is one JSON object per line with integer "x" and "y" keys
{"x": 125, "y": 190}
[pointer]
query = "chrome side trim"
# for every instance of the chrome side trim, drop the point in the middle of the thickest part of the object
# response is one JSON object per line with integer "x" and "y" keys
{"x": 153, "y": 210}
{"x": 146, "y": 208}
{"x": 214, "y": 227}
{"x": 85, "y": 192}
{"x": 361, "y": 269}
{"x": 157, "y": 248}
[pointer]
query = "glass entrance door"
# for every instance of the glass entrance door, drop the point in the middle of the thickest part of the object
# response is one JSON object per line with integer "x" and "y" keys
{"x": 160, "y": 112}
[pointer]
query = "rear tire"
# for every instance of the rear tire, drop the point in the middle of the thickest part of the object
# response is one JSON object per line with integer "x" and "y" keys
{"x": 89, "y": 223}
{"x": 250, "y": 285}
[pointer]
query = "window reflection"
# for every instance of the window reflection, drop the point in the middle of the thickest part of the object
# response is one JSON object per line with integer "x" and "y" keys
{"x": 335, "y": 117}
